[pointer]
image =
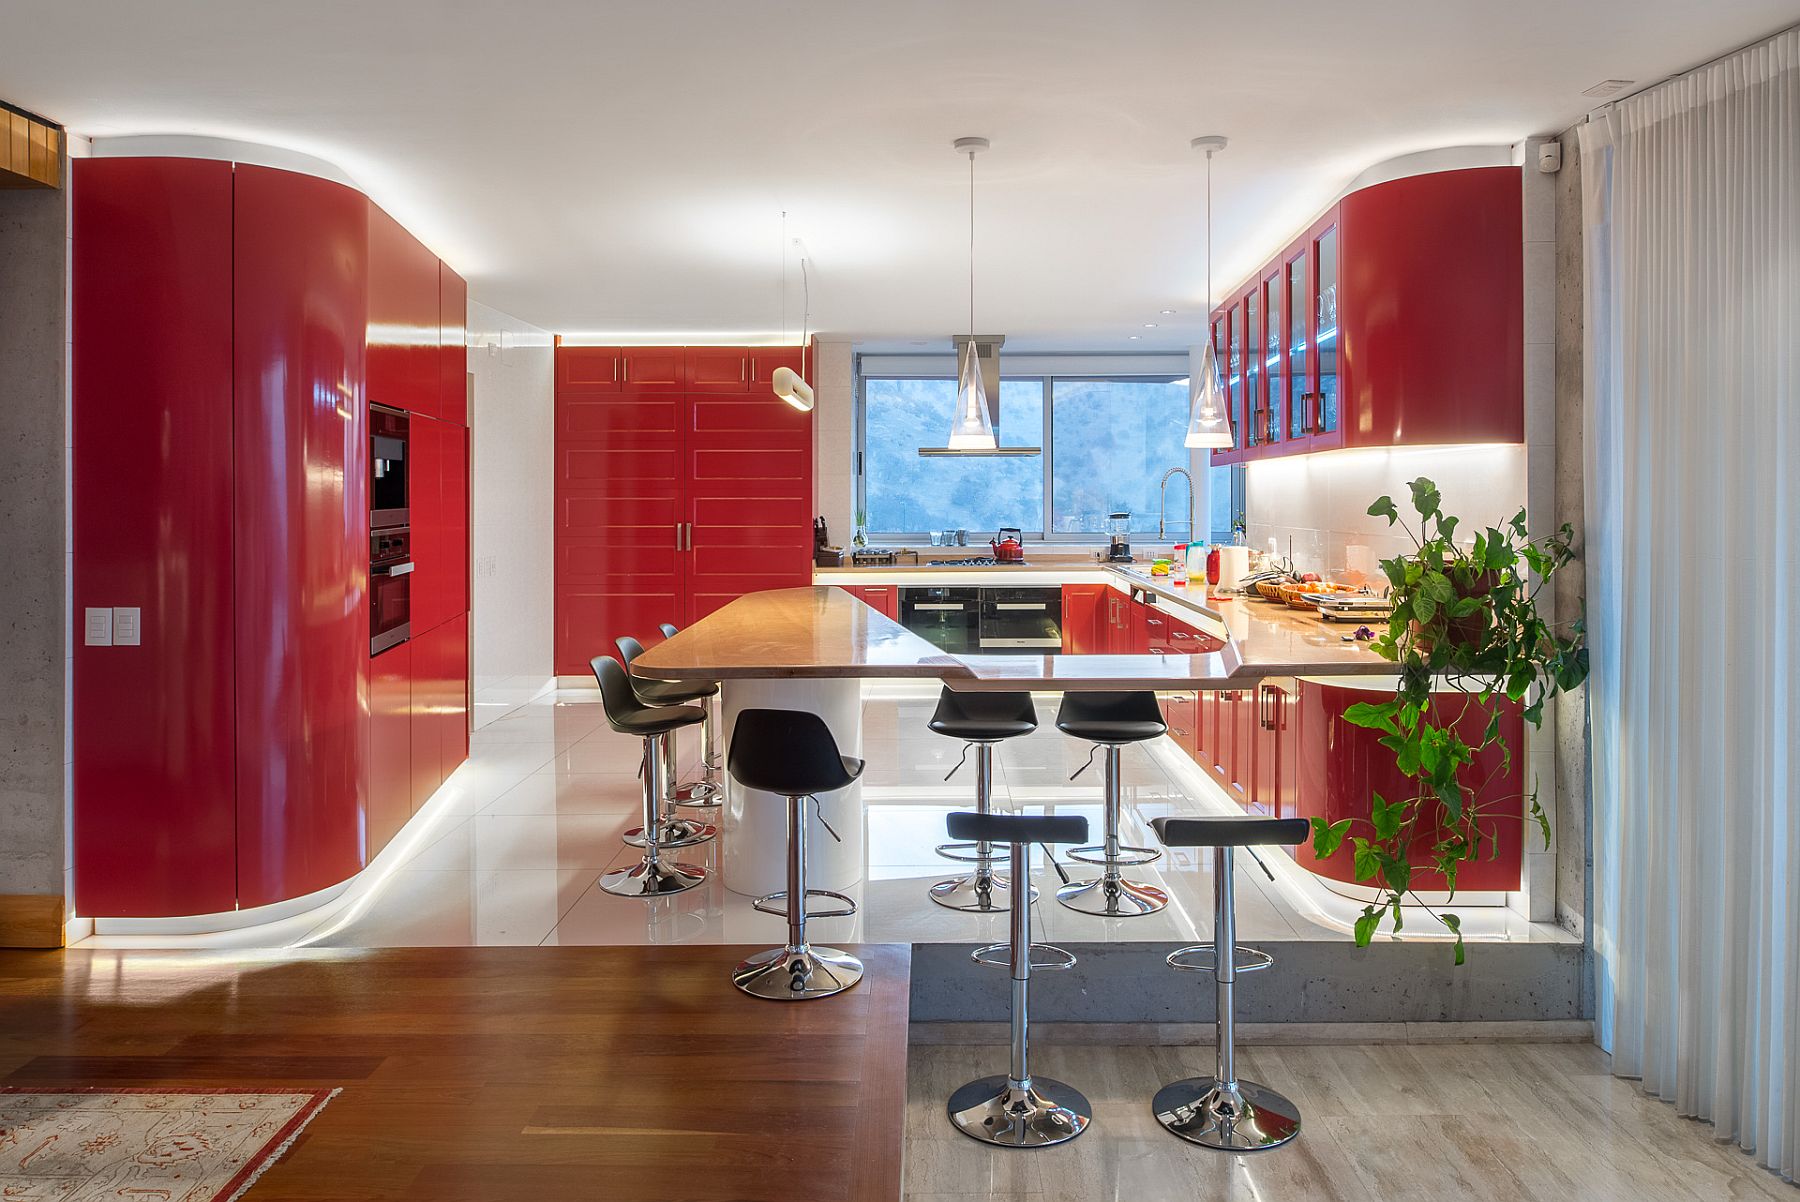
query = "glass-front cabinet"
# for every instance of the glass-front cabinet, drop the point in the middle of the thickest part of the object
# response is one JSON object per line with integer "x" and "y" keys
{"x": 1252, "y": 430}
{"x": 1299, "y": 348}
{"x": 1272, "y": 359}
{"x": 1325, "y": 338}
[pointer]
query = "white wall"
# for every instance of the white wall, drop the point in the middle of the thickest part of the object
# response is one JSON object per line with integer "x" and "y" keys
{"x": 834, "y": 438}
{"x": 513, "y": 448}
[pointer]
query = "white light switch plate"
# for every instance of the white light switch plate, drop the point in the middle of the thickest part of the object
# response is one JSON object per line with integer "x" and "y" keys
{"x": 126, "y": 626}
{"x": 99, "y": 628}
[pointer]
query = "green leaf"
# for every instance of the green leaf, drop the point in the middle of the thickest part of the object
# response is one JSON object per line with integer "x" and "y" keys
{"x": 1463, "y": 607}
{"x": 1386, "y": 817}
{"x": 1425, "y": 497}
{"x": 1366, "y": 924}
{"x": 1366, "y": 861}
{"x": 1385, "y": 508}
{"x": 1455, "y": 925}
{"x": 1437, "y": 586}
{"x": 1424, "y": 608}
{"x": 1374, "y": 715}
{"x": 1328, "y": 836}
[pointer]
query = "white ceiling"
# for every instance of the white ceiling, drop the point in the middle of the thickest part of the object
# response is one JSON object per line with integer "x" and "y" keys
{"x": 621, "y": 167}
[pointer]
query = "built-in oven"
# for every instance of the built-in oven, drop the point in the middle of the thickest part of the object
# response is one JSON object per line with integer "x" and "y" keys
{"x": 387, "y": 468}
{"x": 390, "y": 588}
{"x": 1020, "y": 620}
{"x": 944, "y": 617}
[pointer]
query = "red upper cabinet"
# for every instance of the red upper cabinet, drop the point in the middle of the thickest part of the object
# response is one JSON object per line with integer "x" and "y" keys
{"x": 1396, "y": 319}
{"x": 403, "y": 318}
{"x": 589, "y": 369}
{"x": 718, "y": 369}
{"x": 649, "y": 369}
{"x": 765, "y": 359}
{"x": 453, "y": 347}
{"x": 154, "y": 769}
{"x": 300, "y": 571}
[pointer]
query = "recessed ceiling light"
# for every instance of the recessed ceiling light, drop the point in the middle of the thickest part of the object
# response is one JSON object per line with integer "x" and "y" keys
{"x": 1168, "y": 312}
{"x": 1149, "y": 325}
{"x": 1135, "y": 337}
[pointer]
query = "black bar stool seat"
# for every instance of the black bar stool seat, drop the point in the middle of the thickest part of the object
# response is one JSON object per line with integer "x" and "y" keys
{"x": 792, "y": 753}
{"x": 1112, "y": 720}
{"x": 980, "y": 720}
{"x": 1014, "y": 1109}
{"x": 705, "y": 793}
{"x": 651, "y": 876}
{"x": 1221, "y": 1111}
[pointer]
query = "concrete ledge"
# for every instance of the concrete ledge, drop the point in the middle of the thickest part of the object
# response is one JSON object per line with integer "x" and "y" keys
{"x": 1312, "y": 982}
{"x": 1256, "y": 1034}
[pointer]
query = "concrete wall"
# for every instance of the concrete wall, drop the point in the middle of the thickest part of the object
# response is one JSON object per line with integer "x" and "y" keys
{"x": 513, "y": 447}
{"x": 34, "y": 545}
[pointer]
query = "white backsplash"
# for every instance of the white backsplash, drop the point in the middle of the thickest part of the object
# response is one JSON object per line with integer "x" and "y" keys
{"x": 1321, "y": 502}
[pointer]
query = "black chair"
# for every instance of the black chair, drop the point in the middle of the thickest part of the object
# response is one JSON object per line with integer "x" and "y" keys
{"x": 1015, "y": 1109}
{"x": 1112, "y": 720}
{"x": 1221, "y": 1111}
{"x": 705, "y": 793}
{"x": 981, "y": 720}
{"x": 792, "y": 753}
{"x": 651, "y": 876}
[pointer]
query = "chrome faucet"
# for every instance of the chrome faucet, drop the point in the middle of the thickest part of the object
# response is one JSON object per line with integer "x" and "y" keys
{"x": 1162, "y": 501}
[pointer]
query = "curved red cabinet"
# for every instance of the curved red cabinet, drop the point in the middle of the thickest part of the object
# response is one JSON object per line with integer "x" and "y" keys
{"x": 230, "y": 324}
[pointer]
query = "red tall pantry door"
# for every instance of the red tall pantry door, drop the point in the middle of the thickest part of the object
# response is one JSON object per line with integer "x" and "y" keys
{"x": 300, "y": 313}
{"x": 620, "y": 517}
{"x": 750, "y": 497}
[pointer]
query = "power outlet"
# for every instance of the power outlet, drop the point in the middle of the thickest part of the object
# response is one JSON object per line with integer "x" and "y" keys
{"x": 127, "y": 626}
{"x": 98, "y": 628}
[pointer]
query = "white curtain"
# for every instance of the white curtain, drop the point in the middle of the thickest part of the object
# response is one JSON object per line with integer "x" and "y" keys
{"x": 1692, "y": 194}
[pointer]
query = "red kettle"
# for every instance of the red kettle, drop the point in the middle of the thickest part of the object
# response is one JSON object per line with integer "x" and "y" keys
{"x": 1007, "y": 546}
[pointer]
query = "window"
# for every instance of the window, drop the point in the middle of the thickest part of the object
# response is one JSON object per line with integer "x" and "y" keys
{"x": 1107, "y": 442}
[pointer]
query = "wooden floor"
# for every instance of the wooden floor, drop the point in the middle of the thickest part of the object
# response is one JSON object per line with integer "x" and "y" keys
{"x": 1493, "y": 1122}
{"x": 498, "y": 1073}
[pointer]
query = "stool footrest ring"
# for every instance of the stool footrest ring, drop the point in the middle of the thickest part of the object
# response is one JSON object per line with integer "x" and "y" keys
{"x": 1200, "y": 958}
{"x": 957, "y": 852}
{"x": 1128, "y": 857}
{"x": 767, "y": 904}
{"x": 1045, "y": 957}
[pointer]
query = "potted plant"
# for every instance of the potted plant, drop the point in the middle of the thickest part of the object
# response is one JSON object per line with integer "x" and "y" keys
{"x": 860, "y": 538}
{"x": 1465, "y": 619}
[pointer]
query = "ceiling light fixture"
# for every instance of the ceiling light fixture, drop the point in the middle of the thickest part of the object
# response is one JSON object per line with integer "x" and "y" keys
{"x": 1209, "y": 420}
{"x": 971, "y": 423}
{"x": 791, "y": 385}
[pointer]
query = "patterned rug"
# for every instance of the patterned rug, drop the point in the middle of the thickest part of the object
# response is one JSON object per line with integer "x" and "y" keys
{"x": 152, "y": 1145}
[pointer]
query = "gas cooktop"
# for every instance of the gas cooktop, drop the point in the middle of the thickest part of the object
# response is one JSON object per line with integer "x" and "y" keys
{"x": 979, "y": 561}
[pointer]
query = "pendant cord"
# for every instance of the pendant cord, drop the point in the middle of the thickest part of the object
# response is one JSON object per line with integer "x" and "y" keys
{"x": 784, "y": 248}
{"x": 971, "y": 244}
{"x": 1209, "y": 292}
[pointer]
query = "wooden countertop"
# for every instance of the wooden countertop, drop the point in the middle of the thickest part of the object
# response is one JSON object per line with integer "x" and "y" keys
{"x": 824, "y": 632}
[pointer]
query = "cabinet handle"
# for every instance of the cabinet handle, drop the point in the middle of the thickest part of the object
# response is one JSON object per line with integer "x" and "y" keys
{"x": 678, "y": 536}
{"x": 690, "y": 536}
{"x": 1266, "y": 718}
{"x": 624, "y": 369}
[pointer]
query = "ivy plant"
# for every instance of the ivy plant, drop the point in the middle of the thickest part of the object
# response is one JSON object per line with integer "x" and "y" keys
{"x": 1465, "y": 621}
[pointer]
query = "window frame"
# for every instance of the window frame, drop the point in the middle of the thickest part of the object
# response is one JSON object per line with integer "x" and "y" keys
{"x": 1047, "y": 381}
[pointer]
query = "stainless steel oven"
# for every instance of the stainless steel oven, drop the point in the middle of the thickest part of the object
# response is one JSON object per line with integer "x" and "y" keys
{"x": 1020, "y": 619}
{"x": 390, "y": 588}
{"x": 944, "y": 617}
{"x": 388, "y": 431}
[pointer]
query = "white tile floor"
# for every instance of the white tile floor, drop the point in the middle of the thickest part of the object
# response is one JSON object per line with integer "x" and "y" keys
{"x": 509, "y": 850}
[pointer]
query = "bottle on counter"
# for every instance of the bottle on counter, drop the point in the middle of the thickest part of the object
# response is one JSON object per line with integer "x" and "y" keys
{"x": 1178, "y": 564}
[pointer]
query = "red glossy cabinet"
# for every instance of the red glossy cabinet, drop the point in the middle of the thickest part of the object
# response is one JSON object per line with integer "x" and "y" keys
{"x": 679, "y": 487}
{"x": 1082, "y": 606}
{"x": 154, "y": 774}
{"x": 439, "y": 729}
{"x": 231, "y": 323}
{"x": 440, "y": 522}
{"x": 453, "y": 349}
{"x": 884, "y": 598}
{"x": 1396, "y": 319}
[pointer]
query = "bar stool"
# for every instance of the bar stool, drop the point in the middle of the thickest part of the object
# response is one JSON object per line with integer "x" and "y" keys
{"x": 980, "y": 720}
{"x": 1112, "y": 720}
{"x": 651, "y": 876}
{"x": 1015, "y": 1109}
{"x": 1222, "y": 1111}
{"x": 705, "y": 793}
{"x": 673, "y": 830}
{"x": 792, "y": 753}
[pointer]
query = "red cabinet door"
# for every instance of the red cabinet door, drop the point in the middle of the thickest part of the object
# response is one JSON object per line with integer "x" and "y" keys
{"x": 1180, "y": 711}
{"x": 749, "y": 485}
{"x": 765, "y": 359}
{"x": 403, "y": 318}
{"x": 1156, "y": 629}
{"x": 452, "y": 711}
{"x": 621, "y": 514}
{"x": 424, "y": 726}
{"x": 645, "y": 369}
{"x": 1081, "y": 604}
{"x": 300, "y": 472}
{"x": 884, "y": 598}
{"x": 1272, "y": 754}
{"x": 390, "y": 744}
{"x": 1237, "y": 726}
{"x": 589, "y": 369}
{"x": 154, "y": 774}
{"x": 718, "y": 369}
{"x": 433, "y": 451}
{"x": 453, "y": 514}
{"x": 453, "y": 347}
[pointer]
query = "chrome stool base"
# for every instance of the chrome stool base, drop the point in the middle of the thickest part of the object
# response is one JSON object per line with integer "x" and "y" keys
{"x": 969, "y": 894}
{"x": 1244, "y": 1117}
{"x": 785, "y": 975}
{"x": 1112, "y": 898}
{"x": 1045, "y": 1112}
{"x": 652, "y": 880}
{"x": 674, "y": 832}
{"x": 701, "y": 795}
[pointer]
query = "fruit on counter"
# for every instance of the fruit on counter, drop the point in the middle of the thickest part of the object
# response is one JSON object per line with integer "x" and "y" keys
{"x": 1309, "y": 578}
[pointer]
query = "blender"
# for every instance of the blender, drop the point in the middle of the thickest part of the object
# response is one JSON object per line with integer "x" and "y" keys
{"x": 1118, "y": 530}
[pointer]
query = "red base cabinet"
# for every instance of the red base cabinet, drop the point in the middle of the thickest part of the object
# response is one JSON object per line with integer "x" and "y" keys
{"x": 883, "y": 598}
{"x": 681, "y": 484}
{"x": 231, "y": 325}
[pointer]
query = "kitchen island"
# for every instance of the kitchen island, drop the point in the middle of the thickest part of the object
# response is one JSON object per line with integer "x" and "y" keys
{"x": 811, "y": 648}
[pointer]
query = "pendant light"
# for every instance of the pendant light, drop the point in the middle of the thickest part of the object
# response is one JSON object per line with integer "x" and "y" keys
{"x": 970, "y": 429}
{"x": 1209, "y": 418}
{"x": 791, "y": 385}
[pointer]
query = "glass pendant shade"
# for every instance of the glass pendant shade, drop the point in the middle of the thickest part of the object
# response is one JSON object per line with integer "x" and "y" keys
{"x": 790, "y": 387}
{"x": 970, "y": 429}
{"x": 1209, "y": 422}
